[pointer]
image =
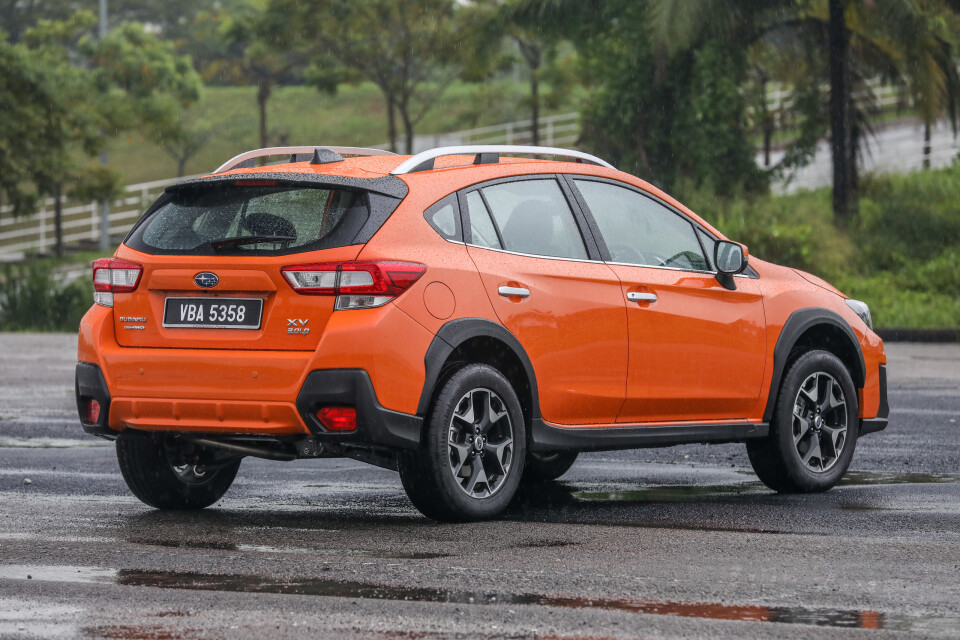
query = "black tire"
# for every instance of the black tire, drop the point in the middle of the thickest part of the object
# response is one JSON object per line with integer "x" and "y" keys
{"x": 151, "y": 477}
{"x": 437, "y": 489}
{"x": 805, "y": 428}
{"x": 548, "y": 465}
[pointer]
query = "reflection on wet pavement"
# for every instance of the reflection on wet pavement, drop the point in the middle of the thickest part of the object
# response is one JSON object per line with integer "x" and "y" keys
{"x": 351, "y": 589}
{"x": 858, "y": 478}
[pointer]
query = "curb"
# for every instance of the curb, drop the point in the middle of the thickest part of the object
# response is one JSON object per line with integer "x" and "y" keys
{"x": 919, "y": 335}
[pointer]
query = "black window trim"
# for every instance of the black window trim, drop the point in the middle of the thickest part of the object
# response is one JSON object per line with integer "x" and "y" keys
{"x": 570, "y": 179}
{"x": 586, "y": 233}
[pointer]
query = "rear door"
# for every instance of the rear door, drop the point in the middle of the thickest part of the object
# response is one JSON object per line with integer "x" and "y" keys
{"x": 212, "y": 257}
{"x": 550, "y": 290}
{"x": 697, "y": 349}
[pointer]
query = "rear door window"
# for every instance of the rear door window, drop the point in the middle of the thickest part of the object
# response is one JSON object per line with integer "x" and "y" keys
{"x": 482, "y": 231}
{"x": 529, "y": 216}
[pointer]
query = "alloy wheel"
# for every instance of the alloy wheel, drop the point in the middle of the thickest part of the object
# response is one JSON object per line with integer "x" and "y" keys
{"x": 820, "y": 422}
{"x": 480, "y": 443}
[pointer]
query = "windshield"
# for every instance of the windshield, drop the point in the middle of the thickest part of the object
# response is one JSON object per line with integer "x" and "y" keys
{"x": 277, "y": 219}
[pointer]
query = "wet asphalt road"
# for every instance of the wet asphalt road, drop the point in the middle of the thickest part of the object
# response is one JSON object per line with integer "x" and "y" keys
{"x": 670, "y": 543}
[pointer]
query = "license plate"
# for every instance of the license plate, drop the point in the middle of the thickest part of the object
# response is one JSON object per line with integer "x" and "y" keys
{"x": 212, "y": 313}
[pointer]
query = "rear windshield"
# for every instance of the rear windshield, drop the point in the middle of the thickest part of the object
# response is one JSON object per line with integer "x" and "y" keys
{"x": 219, "y": 219}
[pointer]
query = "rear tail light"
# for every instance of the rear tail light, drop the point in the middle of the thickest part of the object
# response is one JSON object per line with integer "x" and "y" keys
{"x": 357, "y": 285}
{"x": 338, "y": 418}
{"x": 112, "y": 276}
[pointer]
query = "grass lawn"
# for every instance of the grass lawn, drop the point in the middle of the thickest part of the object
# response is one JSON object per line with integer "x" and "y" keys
{"x": 355, "y": 116}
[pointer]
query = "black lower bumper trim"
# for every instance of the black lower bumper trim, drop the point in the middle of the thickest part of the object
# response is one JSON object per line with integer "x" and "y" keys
{"x": 91, "y": 385}
{"x": 872, "y": 425}
{"x": 376, "y": 426}
{"x": 546, "y": 437}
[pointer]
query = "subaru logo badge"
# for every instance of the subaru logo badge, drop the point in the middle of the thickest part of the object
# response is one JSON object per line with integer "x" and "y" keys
{"x": 206, "y": 279}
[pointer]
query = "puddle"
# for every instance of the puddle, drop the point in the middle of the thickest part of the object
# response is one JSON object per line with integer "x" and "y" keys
{"x": 134, "y": 632}
{"x": 57, "y": 573}
{"x": 667, "y": 493}
{"x": 848, "y": 618}
{"x": 845, "y": 618}
{"x": 546, "y": 544}
{"x": 256, "y": 548}
{"x": 185, "y": 544}
{"x": 859, "y": 478}
{"x": 11, "y": 442}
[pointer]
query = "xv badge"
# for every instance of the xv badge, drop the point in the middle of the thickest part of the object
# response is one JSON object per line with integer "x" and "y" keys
{"x": 298, "y": 326}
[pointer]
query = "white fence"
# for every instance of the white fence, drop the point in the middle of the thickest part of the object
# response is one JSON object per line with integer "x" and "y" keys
{"x": 81, "y": 222}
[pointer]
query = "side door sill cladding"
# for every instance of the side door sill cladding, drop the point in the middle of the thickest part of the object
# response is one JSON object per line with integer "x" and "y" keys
{"x": 548, "y": 437}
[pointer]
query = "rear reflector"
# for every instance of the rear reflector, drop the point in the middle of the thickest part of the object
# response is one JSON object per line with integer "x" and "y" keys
{"x": 93, "y": 412}
{"x": 338, "y": 418}
{"x": 357, "y": 285}
{"x": 112, "y": 276}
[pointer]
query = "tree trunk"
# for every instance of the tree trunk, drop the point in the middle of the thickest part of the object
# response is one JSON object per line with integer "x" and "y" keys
{"x": 181, "y": 166}
{"x": 535, "y": 102}
{"x": 926, "y": 145}
{"x": 263, "y": 94}
{"x": 766, "y": 120}
{"x": 58, "y": 218}
{"x": 391, "y": 122}
{"x": 845, "y": 202}
{"x": 407, "y": 127}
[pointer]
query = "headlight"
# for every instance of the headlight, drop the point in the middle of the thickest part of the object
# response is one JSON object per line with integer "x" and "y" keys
{"x": 862, "y": 310}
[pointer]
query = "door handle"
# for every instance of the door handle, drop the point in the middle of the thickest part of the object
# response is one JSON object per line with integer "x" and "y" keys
{"x": 520, "y": 292}
{"x": 637, "y": 296}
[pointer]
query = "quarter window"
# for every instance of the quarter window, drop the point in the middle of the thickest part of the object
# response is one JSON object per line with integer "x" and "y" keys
{"x": 528, "y": 216}
{"x": 639, "y": 230}
{"x": 444, "y": 217}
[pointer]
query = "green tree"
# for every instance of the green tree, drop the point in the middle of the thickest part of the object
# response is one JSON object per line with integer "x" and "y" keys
{"x": 241, "y": 52}
{"x": 64, "y": 92}
{"x": 536, "y": 45}
{"x": 912, "y": 42}
{"x": 408, "y": 48}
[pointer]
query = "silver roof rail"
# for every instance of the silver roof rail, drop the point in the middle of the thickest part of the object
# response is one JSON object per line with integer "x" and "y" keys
{"x": 295, "y": 152}
{"x": 424, "y": 161}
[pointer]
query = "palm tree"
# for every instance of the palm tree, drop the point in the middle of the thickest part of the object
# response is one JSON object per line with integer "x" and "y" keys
{"x": 912, "y": 42}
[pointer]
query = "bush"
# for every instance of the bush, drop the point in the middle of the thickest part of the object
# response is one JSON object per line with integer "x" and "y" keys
{"x": 32, "y": 299}
{"x": 902, "y": 256}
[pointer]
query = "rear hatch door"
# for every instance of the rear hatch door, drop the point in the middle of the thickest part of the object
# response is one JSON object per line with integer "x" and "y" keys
{"x": 212, "y": 257}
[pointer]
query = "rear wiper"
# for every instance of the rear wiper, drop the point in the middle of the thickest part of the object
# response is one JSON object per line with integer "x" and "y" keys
{"x": 241, "y": 240}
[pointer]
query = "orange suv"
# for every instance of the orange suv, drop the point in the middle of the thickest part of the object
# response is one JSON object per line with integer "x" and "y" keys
{"x": 468, "y": 317}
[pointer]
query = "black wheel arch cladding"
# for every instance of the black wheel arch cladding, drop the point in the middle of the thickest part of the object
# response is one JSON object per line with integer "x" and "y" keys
{"x": 796, "y": 326}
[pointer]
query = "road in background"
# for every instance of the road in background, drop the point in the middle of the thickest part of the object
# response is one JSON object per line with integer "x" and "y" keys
{"x": 676, "y": 543}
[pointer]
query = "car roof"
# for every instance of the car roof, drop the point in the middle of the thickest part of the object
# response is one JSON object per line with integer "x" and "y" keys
{"x": 451, "y": 173}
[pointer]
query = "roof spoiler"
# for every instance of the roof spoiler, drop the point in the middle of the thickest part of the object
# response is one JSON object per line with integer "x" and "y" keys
{"x": 297, "y": 154}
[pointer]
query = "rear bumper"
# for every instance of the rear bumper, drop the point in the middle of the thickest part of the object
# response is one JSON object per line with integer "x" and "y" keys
{"x": 377, "y": 427}
{"x": 90, "y": 385}
{"x": 872, "y": 425}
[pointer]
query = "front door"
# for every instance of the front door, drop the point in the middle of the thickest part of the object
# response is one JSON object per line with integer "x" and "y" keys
{"x": 566, "y": 309}
{"x": 697, "y": 349}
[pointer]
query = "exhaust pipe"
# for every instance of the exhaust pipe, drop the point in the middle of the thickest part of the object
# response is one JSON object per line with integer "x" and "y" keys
{"x": 247, "y": 450}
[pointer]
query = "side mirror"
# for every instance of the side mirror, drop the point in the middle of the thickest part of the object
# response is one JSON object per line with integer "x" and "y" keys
{"x": 730, "y": 257}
